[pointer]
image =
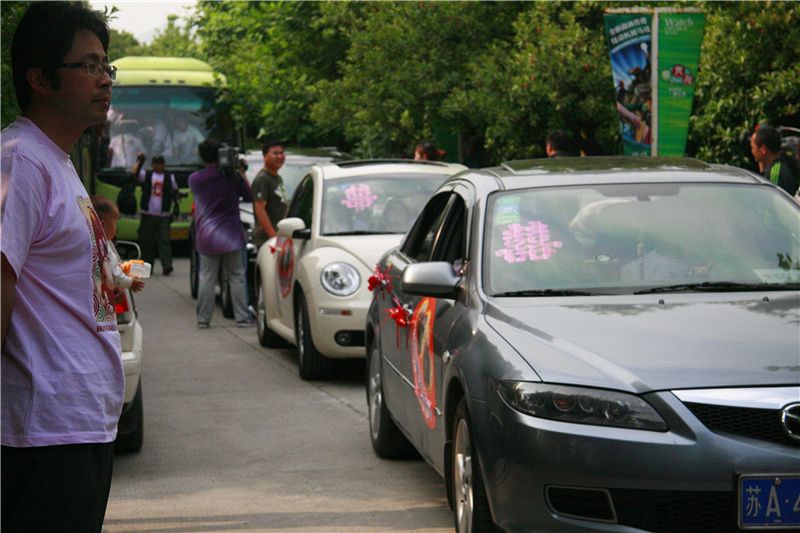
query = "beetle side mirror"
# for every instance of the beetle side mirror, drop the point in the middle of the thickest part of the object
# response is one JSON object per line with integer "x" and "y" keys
{"x": 437, "y": 279}
{"x": 289, "y": 226}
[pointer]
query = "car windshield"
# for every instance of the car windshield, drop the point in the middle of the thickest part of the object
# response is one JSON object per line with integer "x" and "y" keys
{"x": 640, "y": 238}
{"x": 167, "y": 121}
{"x": 386, "y": 203}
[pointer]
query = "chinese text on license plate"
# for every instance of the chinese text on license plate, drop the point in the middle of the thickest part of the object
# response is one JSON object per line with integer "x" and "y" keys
{"x": 769, "y": 501}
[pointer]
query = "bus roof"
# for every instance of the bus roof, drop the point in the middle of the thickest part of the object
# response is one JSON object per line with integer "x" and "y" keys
{"x": 149, "y": 70}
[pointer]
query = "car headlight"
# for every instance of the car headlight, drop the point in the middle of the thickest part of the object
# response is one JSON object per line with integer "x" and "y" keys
{"x": 340, "y": 279}
{"x": 581, "y": 405}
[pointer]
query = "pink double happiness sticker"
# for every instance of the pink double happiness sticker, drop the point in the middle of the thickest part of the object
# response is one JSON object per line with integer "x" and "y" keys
{"x": 529, "y": 242}
{"x": 358, "y": 197}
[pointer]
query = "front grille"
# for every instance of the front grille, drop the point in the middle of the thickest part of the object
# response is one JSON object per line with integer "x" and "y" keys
{"x": 668, "y": 511}
{"x": 760, "y": 424}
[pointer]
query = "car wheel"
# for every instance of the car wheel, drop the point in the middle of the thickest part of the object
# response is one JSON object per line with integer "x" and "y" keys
{"x": 471, "y": 508}
{"x": 130, "y": 434}
{"x": 225, "y": 294}
{"x": 311, "y": 363}
{"x": 387, "y": 439}
{"x": 266, "y": 337}
{"x": 194, "y": 272}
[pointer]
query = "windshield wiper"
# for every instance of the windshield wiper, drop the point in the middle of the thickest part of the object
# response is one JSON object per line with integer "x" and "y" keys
{"x": 544, "y": 292}
{"x": 721, "y": 286}
{"x": 356, "y": 232}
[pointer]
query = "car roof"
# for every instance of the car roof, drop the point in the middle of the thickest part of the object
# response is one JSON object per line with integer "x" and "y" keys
{"x": 364, "y": 167}
{"x": 595, "y": 170}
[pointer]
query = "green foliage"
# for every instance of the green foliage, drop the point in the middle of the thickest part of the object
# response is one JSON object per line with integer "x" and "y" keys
{"x": 272, "y": 53}
{"x": 553, "y": 74}
{"x": 123, "y": 43}
{"x": 405, "y": 60}
{"x": 10, "y": 15}
{"x": 172, "y": 41}
{"x": 749, "y": 73}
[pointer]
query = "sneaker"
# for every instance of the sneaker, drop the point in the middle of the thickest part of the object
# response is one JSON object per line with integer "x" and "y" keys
{"x": 168, "y": 271}
{"x": 203, "y": 325}
{"x": 245, "y": 323}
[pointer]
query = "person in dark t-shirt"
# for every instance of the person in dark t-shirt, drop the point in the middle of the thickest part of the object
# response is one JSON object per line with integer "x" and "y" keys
{"x": 779, "y": 168}
{"x": 269, "y": 195}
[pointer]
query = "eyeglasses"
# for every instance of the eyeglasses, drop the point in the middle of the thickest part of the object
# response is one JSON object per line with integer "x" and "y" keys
{"x": 94, "y": 69}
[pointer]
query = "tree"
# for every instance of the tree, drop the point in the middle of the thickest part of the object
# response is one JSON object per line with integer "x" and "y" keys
{"x": 749, "y": 73}
{"x": 172, "y": 40}
{"x": 123, "y": 43}
{"x": 404, "y": 61}
{"x": 272, "y": 54}
{"x": 10, "y": 15}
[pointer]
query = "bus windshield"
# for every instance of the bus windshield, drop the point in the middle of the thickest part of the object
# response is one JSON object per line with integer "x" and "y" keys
{"x": 167, "y": 121}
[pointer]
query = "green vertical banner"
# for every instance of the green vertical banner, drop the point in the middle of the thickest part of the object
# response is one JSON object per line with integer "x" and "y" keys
{"x": 680, "y": 35}
{"x": 628, "y": 36}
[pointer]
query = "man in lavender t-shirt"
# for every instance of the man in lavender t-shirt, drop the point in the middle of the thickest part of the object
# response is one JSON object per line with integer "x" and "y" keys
{"x": 62, "y": 375}
{"x": 219, "y": 235}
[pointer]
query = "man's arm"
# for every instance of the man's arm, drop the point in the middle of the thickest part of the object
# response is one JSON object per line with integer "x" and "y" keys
{"x": 260, "y": 212}
{"x": 9, "y": 288}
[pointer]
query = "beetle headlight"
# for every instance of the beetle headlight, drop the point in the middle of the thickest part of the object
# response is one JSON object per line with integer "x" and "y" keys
{"x": 340, "y": 279}
{"x": 581, "y": 405}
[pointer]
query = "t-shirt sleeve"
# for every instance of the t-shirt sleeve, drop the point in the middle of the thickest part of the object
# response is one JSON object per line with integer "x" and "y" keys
{"x": 261, "y": 188}
{"x": 24, "y": 204}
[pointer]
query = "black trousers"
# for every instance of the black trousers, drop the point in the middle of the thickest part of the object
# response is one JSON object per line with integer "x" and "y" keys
{"x": 55, "y": 488}
{"x": 154, "y": 235}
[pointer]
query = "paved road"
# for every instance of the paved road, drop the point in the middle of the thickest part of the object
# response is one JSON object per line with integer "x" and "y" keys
{"x": 235, "y": 441}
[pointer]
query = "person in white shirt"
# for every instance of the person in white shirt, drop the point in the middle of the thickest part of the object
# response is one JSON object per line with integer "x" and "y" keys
{"x": 158, "y": 193}
{"x": 185, "y": 140}
{"x": 123, "y": 148}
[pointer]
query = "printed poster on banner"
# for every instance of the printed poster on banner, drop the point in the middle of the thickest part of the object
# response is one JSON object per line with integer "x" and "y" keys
{"x": 678, "y": 55}
{"x": 629, "y": 40}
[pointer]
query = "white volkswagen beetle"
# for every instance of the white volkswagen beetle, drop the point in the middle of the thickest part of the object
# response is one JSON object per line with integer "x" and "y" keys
{"x": 312, "y": 279}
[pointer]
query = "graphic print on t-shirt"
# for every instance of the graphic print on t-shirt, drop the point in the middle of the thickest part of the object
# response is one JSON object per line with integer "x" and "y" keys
{"x": 102, "y": 280}
{"x": 157, "y": 188}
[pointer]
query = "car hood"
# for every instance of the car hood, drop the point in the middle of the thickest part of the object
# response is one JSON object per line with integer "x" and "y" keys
{"x": 639, "y": 344}
{"x": 366, "y": 248}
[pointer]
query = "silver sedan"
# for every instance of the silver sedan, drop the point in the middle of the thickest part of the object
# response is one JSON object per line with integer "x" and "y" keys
{"x": 599, "y": 343}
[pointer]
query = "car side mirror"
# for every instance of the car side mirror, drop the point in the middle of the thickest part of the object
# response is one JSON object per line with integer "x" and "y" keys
{"x": 288, "y": 227}
{"x": 437, "y": 279}
{"x": 128, "y": 250}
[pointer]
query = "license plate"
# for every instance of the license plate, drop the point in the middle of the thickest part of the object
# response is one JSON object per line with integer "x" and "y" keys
{"x": 769, "y": 501}
{"x": 179, "y": 234}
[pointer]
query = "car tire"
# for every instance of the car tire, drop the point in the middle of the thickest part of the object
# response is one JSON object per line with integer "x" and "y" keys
{"x": 470, "y": 504}
{"x": 311, "y": 364}
{"x": 194, "y": 271}
{"x": 131, "y": 440}
{"x": 266, "y": 337}
{"x": 225, "y": 294}
{"x": 387, "y": 439}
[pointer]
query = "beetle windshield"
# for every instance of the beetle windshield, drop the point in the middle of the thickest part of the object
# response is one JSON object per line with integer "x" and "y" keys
{"x": 641, "y": 238}
{"x": 386, "y": 203}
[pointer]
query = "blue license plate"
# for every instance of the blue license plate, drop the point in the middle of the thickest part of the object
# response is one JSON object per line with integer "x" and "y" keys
{"x": 769, "y": 501}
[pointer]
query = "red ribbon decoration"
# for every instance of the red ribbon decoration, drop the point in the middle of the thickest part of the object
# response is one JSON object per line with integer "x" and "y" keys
{"x": 380, "y": 280}
{"x": 272, "y": 250}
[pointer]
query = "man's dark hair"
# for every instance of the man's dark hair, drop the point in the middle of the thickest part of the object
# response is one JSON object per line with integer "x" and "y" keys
{"x": 271, "y": 144}
{"x": 209, "y": 150}
{"x": 158, "y": 159}
{"x": 769, "y": 137}
{"x": 44, "y": 37}
{"x": 559, "y": 141}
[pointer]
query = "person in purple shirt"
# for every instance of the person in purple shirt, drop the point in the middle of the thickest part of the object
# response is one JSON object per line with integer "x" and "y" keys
{"x": 219, "y": 234}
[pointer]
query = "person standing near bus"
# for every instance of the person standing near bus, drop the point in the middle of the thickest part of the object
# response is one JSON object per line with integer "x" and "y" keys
{"x": 269, "y": 195}
{"x": 158, "y": 194}
{"x": 62, "y": 376}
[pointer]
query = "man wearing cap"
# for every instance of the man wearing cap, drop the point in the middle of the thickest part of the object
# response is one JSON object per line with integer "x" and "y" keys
{"x": 158, "y": 193}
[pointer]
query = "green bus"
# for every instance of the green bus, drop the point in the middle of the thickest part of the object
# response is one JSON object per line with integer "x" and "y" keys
{"x": 159, "y": 106}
